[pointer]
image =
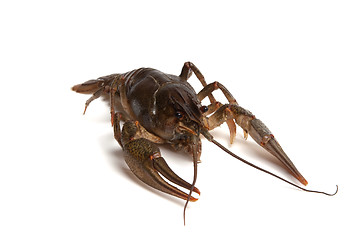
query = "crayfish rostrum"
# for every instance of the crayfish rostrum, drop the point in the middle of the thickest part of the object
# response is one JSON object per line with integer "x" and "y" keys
{"x": 159, "y": 108}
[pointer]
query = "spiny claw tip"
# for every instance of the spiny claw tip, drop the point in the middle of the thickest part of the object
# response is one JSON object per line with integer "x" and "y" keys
{"x": 303, "y": 181}
{"x": 112, "y": 120}
{"x": 192, "y": 199}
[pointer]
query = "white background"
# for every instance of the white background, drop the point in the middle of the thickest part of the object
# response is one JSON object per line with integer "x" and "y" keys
{"x": 297, "y": 65}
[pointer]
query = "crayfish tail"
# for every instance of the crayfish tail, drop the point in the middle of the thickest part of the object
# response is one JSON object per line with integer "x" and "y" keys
{"x": 88, "y": 87}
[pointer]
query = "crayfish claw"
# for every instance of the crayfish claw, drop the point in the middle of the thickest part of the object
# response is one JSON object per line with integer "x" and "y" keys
{"x": 161, "y": 165}
{"x": 144, "y": 160}
{"x": 148, "y": 170}
{"x": 263, "y": 136}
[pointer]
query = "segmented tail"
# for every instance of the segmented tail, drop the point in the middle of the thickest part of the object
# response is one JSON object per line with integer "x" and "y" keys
{"x": 97, "y": 87}
{"x": 92, "y": 86}
{"x": 89, "y": 87}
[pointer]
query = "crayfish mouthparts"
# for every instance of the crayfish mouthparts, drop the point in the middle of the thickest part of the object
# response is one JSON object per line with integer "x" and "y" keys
{"x": 186, "y": 129}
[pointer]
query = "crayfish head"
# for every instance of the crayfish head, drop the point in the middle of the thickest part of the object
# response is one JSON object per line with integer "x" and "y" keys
{"x": 178, "y": 113}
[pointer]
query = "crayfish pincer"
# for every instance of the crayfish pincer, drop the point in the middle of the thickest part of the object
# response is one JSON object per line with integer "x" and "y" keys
{"x": 160, "y": 108}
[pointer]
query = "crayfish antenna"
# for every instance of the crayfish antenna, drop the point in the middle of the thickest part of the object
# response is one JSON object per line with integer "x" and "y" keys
{"x": 195, "y": 161}
{"x": 210, "y": 138}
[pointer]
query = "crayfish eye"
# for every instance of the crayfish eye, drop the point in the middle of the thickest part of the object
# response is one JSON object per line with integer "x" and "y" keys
{"x": 204, "y": 109}
{"x": 179, "y": 115}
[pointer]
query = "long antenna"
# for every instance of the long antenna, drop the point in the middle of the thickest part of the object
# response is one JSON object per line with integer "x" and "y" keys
{"x": 266, "y": 171}
{"x": 195, "y": 159}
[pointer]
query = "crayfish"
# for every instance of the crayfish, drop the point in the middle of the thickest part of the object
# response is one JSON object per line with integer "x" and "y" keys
{"x": 160, "y": 108}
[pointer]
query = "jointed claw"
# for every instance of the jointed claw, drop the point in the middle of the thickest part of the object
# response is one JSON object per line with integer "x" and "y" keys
{"x": 144, "y": 159}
